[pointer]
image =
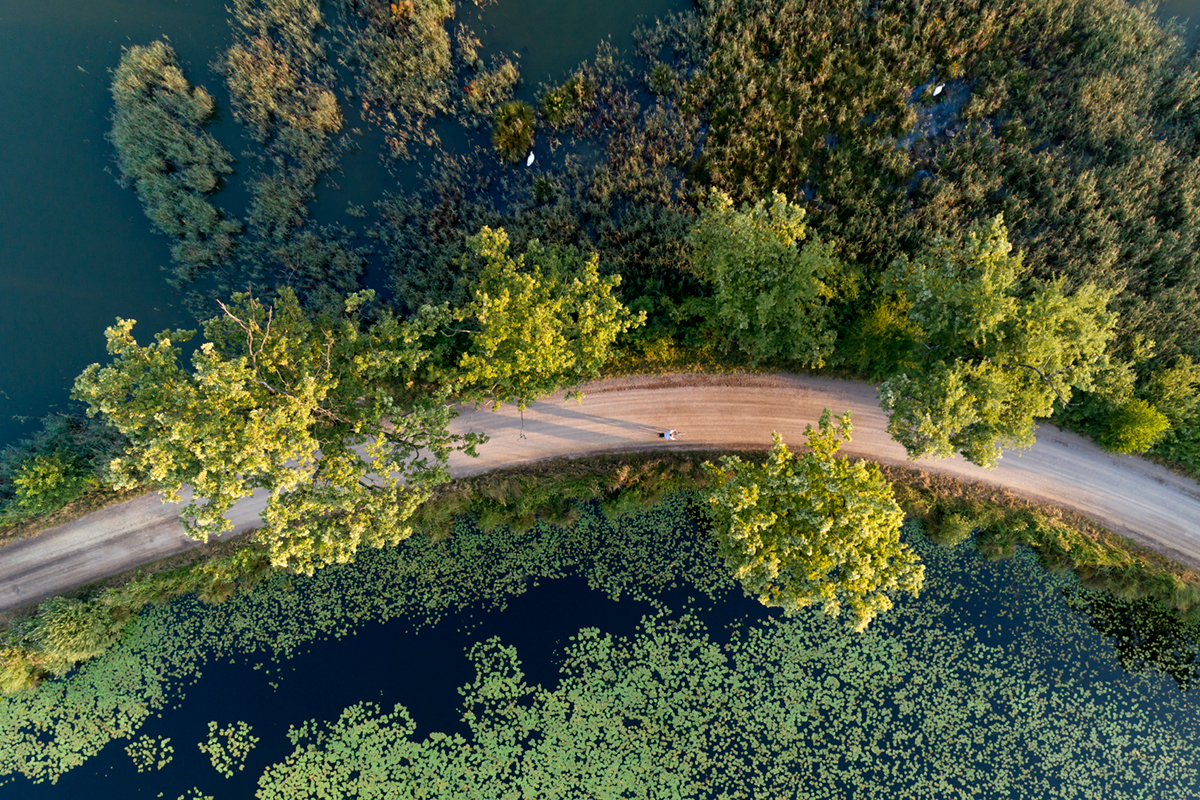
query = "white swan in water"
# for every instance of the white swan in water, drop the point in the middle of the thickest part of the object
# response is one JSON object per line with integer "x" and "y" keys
{"x": 938, "y": 89}
{"x": 529, "y": 161}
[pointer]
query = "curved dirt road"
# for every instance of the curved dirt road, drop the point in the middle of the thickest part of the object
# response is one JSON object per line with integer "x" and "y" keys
{"x": 1128, "y": 495}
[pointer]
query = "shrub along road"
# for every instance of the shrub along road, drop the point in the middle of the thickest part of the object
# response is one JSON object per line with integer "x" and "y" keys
{"x": 1128, "y": 495}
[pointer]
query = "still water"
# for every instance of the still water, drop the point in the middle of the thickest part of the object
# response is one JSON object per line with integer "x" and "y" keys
{"x": 75, "y": 249}
{"x": 988, "y": 685}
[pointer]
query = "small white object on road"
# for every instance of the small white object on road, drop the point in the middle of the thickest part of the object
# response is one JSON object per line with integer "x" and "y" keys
{"x": 529, "y": 161}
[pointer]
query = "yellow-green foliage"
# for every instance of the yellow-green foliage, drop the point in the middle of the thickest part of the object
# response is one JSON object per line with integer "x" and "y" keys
{"x": 228, "y": 747}
{"x": 813, "y": 529}
{"x": 270, "y": 389}
{"x": 618, "y": 704}
{"x": 1134, "y": 427}
{"x": 18, "y": 672}
{"x": 537, "y": 323}
{"x": 47, "y": 483}
{"x": 165, "y": 154}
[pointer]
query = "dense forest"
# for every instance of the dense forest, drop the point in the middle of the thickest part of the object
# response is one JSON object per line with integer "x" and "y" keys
{"x": 990, "y": 207}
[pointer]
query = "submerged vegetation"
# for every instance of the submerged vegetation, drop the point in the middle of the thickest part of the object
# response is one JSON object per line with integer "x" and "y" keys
{"x": 165, "y": 154}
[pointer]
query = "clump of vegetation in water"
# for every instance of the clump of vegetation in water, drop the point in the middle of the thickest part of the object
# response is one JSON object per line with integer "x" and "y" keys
{"x": 228, "y": 747}
{"x": 165, "y": 154}
{"x": 404, "y": 68}
{"x": 568, "y": 103}
{"x": 512, "y": 130}
{"x": 150, "y": 752}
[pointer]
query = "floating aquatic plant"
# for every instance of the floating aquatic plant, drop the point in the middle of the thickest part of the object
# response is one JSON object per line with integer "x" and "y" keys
{"x": 150, "y": 752}
{"x": 228, "y": 747}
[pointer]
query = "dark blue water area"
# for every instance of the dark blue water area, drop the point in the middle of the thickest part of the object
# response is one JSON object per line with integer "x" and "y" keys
{"x": 382, "y": 663}
{"x": 76, "y": 251}
{"x": 388, "y": 664}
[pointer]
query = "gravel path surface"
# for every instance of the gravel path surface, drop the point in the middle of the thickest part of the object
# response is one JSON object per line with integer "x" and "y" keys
{"x": 1128, "y": 495}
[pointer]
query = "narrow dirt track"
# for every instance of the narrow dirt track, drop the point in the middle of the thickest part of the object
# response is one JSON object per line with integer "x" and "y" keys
{"x": 1128, "y": 495}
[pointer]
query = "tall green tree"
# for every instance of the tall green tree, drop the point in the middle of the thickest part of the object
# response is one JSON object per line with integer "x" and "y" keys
{"x": 772, "y": 291}
{"x": 323, "y": 413}
{"x": 813, "y": 529}
{"x": 994, "y": 348}
{"x": 537, "y": 323}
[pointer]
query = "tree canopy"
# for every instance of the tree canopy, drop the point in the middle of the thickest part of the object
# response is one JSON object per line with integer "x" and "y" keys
{"x": 537, "y": 323}
{"x": 770, "y": 294}
{"x": 323, "y": 413}
{"x": 813, "y": 529}
{"x": 994, "y": 348}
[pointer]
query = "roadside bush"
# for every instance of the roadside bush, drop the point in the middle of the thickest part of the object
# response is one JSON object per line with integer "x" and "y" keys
{"x": 951, "y": 529}
{"x": 70, "y": 631}
{"x": 17, "y": 670}
{"x": 1133, "y": 427}
{"x": 47, "y": 483}
{"x": 66, "y": 458}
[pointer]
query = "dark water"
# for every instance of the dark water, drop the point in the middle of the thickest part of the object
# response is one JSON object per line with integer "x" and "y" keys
{"x": 385, "y": 664}
{"x": 1187, "y": 13}
{"x": 380, "y": 663}
{"x": 75, "y": 249}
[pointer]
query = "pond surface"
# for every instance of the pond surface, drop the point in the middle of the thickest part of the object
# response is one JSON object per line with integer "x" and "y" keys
{"x": 987, "y": 685}
{"x": 76, "y": 250}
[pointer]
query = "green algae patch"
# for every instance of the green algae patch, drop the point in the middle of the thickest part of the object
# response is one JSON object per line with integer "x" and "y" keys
{"x": 150, "y": 752}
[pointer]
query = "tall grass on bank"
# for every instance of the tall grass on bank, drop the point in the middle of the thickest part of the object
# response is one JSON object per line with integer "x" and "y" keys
{"x": 57, "y": 473}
